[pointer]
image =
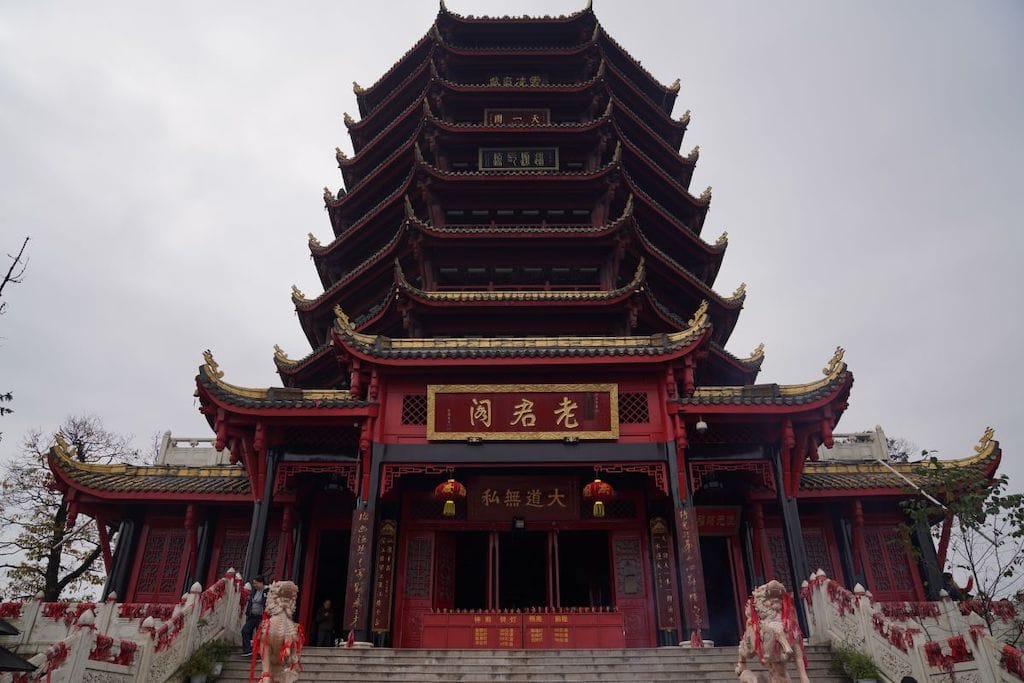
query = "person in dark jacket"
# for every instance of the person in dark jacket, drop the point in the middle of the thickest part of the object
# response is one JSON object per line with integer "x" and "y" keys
{"x": 325, "y": 625}
{"x": 254, "y": 607}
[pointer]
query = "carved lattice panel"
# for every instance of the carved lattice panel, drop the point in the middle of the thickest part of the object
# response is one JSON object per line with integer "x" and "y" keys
{"x": 890, "y": 572}
{"x": 160, "y": 570}
{"x": 417, "y": 568}
{"x": 818, "y": 555}
{"x": 232, "y": 551}
{"x": 270, "y": 549}
{"x": 629, "y": 578}
{"x": 778, "y": 558}
{"x": 414, "y": 409}
{"x": 633, "y": 408}
{"x": 874, "y": 542}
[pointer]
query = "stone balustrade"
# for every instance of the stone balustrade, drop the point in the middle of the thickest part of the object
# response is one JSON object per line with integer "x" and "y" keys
{"x": 929, "y": 641}
{"x": 72, "y": 642}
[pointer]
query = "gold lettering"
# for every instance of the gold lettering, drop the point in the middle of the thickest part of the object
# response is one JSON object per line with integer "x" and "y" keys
{"x": 523, "y": 414}
{"x": 511, "y": 498}
{"x": 566, "y": 413}
{"x": 481, "y": 410}
{"x": 490, "y": 497}
{"x": 533, "y": 499}
{"x": 556, "y": 498}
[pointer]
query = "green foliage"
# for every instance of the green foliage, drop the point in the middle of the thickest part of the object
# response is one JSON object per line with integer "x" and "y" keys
{"x": 854, "y": 663}
{"x": 204, "y": 658}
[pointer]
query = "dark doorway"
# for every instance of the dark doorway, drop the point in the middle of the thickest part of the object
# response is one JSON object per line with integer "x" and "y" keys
{"x": 714, "y": 552}
{"x": 331, "y": 577}
{"x": 583, "y": 569}
{"x": 471, "y": 570}
{"x": 522, "y": 567}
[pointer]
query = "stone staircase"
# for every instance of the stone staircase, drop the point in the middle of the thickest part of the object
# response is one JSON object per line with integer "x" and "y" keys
{"x": 534, "y": 666}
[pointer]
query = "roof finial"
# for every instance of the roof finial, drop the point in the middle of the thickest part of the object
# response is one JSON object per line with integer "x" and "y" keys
{"x": 328, "y": 195}
{"x": 685, "y": 118}
{"x": 313, "y": 241}
{"x": 705, "y": 196}
{"x": 836, "y": 364}
{"x": 675, "y": 86}
{"x": 279, "y": 354}
{"x": 740, "y": 292}
{"x": 339, "y": 154}
{"x": 757, "y": 353}
{"x": 357, "y": 89}
{"x": 297, "y": 294}
{"x": 349, "y": 121}
{"x": 700, "y": 316}
{"x": 343, "y": 320}
{"x": 985, "y": 441}
{"x": 723, "y": 239}
{"x": 210, "y": 365}
{"x": 694, "y": 153}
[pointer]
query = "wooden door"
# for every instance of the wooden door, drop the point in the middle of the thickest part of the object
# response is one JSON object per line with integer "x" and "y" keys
{"x": 632, "y": 587}
{"x": 160, "y": 568}
{"x": 415, "y": 587}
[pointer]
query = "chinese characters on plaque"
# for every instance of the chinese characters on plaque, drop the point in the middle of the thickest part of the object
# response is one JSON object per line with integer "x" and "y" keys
{"x": 665, "y": 593}
{"x": 500, "y": 498}
{"x": 517, "y": 117}
{"x": 518, "y": 159}
{"x": 718, "y": 520}
{"x": 517, "y": 80}
{"x": 359, "y": 572}
{"x": 383, "y": 583}
{"x": 522, "y": 412}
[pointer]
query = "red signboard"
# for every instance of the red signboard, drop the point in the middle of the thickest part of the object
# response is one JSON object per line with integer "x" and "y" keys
{"x": 718, "y": 520}
{"x": 522, "y": 411}
{"x": 492, "y": 630}
{"x": 530, "y": 498}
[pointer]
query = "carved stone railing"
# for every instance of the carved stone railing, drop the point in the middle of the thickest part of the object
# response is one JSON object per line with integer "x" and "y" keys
{"x": 930, "y": 641}
{"x": 121, "y": 642}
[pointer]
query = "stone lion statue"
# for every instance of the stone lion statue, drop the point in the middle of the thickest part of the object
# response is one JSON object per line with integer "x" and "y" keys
{"x": 772, "y": 632}
{"x": 278, "y": 638}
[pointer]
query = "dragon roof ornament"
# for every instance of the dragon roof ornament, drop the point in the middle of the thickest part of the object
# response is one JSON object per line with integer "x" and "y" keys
{"x": 755, "y": 355}
{"x": 986, "y": 442}
{"x": 328, "y": 195}
{"x": 835, "y": 364}
{"x": 313, "y": 241}
{"x": 705, "y": 196}
{"x": 210, "y": 365}
{"x": 297, "y": 295}
{"x": 281, "y": 357}
{"x": 357, "y": 89}
{"x": 740, "y": 292}
{"x": 723, "y": 239}
{"x": 339, "y": 154}
{"x": 685, "y": 118}
{"x": 694, "y": 153}
{"x": 700, "y": 316}
{"x": 349, "y": 121}
{"x": 676, "y": 84}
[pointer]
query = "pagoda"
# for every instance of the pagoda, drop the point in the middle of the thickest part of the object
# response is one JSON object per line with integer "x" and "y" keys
{"x": 518, "y": 424}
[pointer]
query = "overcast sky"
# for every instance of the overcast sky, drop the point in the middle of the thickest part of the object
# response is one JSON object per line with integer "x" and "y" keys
{"x": 167, "y": 160}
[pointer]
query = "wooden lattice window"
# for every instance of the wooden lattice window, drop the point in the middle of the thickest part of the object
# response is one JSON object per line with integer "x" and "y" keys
{"x": 417, "y": 568}
{"x": 818, "y": 555}
{"x": 232, "y": 551}
{"x": 160, "y": 571}
{"x": 778, "y": 558}
{"x": 633, "y": 408}
{"x": 414, "y": 409}
{"x": 890, "y": 574}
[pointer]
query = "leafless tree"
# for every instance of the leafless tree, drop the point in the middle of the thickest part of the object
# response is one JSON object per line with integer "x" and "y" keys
{"x": 15, "y": 273}
{"x": 37, "y": 549}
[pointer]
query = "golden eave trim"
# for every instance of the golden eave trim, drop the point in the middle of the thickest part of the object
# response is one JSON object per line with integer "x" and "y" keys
{"x": 68, "y": 462}
{"x": 986, "y": 446}
{"x": 213, "y": 372}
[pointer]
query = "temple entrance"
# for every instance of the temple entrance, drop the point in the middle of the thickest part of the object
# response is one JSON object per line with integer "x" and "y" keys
{"x": 584, "y": 576}
{"x": 332, "y": 552}
{"x": 721, "y": 596}
{"x": 523, "y": 570}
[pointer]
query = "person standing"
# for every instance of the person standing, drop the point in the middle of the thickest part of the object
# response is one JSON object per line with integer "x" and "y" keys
{"x": 254, "y": 607}
{"x": 325, "y": 625}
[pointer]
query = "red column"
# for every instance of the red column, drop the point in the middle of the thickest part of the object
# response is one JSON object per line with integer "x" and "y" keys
{"x": 858, "y": 538}
{"x": 760, "y": 542}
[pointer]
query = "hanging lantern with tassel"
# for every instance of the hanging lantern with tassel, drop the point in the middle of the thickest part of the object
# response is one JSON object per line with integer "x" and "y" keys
{"x": 600, "y": 492}
{"x": 449, "y": 491}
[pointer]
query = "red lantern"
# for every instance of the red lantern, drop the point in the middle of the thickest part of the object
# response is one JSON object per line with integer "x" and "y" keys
{"x": 600, "y": 492}
{"x": 449, "y": 491}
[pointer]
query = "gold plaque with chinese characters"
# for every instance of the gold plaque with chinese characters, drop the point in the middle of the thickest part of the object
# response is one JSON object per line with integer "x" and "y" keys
{"x": 522, "y": 412}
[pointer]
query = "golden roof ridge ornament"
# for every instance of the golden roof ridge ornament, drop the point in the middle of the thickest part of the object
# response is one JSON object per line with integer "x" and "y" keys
{"x": 700, "y": 316}
{"x": 685, "y": 118}
{"x": 358, "y": 89}
{"x": 986, "y": 442}
{"x": 340, "y": 155}
{"x": 281, "y": 357}
{"x": 755, "y": 355}
{"x": 328, "y": 195}
{"x": 210, "y": 365}
{"x": 705, "y": 196}
{"x": 723, "y": 239}
{"x": 297, "y": 295}
{"x": 313, "y": 241}
{"x": 349, "y": 121}
{"x": 835, "y": 364}
{"x": 740, "y": 292}
{"x": 676, "y": 84}
{"x": 694, "y": 153}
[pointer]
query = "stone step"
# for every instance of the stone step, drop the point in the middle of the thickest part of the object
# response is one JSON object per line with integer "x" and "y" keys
{"x": 710, "y": 665}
